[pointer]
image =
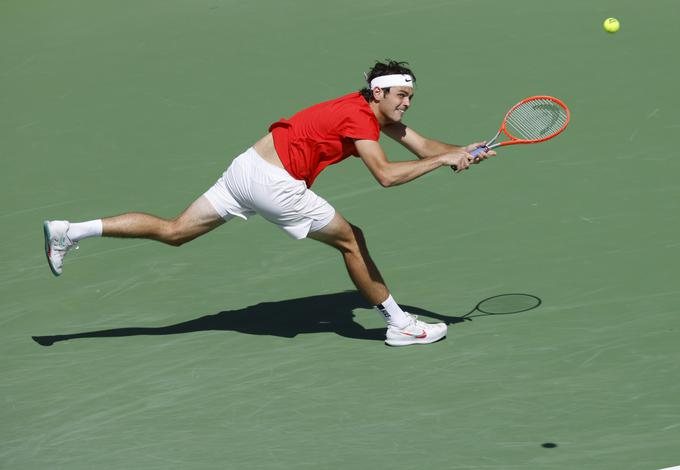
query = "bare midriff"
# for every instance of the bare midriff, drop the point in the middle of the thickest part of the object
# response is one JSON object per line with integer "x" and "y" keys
{"x": 265, "y": 148}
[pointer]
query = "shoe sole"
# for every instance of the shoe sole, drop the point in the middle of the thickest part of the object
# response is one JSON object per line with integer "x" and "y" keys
{"x": 411, "y": 342}
{"x": 48, "y": 236}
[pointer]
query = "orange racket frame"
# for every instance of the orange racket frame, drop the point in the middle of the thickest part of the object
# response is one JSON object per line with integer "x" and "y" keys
{"x": 515, "y": 140}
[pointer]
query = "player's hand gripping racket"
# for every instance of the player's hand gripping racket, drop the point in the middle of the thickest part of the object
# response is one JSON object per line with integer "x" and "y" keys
{"x": 532, "y": 120}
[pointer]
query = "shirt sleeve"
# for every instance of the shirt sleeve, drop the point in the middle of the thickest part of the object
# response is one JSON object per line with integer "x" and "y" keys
{"x": 360, "y": 124}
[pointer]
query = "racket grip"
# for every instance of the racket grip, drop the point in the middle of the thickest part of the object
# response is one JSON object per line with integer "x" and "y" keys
{"x": 479, "y": 150}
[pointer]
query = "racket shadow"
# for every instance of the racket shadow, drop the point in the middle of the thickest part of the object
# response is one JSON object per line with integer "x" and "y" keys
{"x": 501, "y": 304}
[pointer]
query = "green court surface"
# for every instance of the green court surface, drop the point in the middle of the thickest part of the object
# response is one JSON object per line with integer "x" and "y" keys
{"x": 246, "y": 349}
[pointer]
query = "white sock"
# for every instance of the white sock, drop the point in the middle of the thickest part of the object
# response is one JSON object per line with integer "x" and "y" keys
{"x": 92, "y": 228}
{"x": 394, "y": 315}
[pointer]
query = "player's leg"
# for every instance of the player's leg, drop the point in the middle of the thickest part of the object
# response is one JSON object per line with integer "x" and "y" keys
{"x": 350, "y": 241}
{"x": 403, "y": 328}
{"x": 199, "y": 218}
{"x": 61, "y": 236}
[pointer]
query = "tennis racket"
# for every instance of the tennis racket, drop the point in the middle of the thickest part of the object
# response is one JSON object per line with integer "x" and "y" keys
{"x": 532, "y": 120}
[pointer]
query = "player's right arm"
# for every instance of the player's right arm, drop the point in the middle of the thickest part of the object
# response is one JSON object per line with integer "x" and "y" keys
{"x": 423, "y": 147}
{"x": 395, "y": 173}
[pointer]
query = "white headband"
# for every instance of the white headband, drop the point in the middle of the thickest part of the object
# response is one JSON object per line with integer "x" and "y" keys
{"x": 387, "y": 81}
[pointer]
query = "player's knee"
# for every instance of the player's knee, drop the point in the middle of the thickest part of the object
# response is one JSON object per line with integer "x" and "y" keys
{"x": 358, "y": 235}
{"x": 354, "y": 240}
{"x": 174, "y": 234}
{"x": 176, "y": 242}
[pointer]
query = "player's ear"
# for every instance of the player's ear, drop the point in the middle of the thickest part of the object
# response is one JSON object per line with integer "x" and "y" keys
{"x": 378, "y": 94}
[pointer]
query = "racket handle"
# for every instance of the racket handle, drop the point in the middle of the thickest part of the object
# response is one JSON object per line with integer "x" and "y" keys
{"x": 479, "y": 150}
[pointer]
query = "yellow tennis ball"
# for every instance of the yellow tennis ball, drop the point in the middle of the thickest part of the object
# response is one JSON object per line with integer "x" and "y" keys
{"x": 611, "y": 25}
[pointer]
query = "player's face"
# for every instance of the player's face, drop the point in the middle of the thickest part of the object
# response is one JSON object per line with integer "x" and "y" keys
{"x": 396, "y": 102}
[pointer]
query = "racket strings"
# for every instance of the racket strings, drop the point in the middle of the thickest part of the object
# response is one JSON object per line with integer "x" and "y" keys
{"x": 536, "y": 119}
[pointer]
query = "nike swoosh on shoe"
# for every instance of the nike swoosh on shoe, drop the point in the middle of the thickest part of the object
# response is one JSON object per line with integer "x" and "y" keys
{"x": 420, "y": 336}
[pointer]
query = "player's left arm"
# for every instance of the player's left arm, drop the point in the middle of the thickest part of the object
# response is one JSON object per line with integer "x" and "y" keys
{"x": 423, "y": 147}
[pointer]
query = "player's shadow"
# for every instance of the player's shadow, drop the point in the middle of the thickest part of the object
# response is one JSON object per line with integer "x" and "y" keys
{"x": 285, "y": 318}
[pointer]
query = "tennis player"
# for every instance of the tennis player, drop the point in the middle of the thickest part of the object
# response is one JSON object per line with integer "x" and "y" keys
{"x": 273, "y": 178}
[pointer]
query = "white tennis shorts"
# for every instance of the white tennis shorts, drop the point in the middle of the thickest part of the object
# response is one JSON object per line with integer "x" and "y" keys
{"x": 251, "y": 185}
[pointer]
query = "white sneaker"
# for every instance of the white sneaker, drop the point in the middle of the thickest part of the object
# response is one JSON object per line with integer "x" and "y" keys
{"x": 416, "y": 332}
{"x": 57, "y": 244}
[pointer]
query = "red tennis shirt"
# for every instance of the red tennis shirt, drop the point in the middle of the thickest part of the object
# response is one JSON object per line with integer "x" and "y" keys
{"x": 323, "y": 134}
